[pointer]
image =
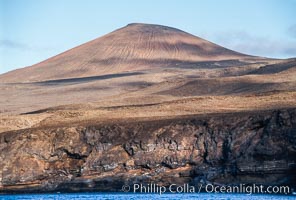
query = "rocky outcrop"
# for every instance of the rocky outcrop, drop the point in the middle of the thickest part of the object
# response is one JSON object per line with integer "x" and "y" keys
{"x": 222, "y": 149}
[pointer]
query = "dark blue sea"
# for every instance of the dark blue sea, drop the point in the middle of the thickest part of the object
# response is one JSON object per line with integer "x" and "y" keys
{"x": 132, "y": 196}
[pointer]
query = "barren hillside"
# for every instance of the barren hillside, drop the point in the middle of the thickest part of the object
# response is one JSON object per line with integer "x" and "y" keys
{"x": 147, "y": 103}
{"x": 131, "y": 48}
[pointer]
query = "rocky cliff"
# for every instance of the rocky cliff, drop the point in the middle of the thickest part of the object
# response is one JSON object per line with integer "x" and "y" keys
{"x": 250, "y": 147}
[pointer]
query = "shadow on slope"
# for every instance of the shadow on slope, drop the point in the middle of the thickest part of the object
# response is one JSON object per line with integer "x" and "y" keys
{"x": 208, "y": 87}
{"x": 84, "y": 79}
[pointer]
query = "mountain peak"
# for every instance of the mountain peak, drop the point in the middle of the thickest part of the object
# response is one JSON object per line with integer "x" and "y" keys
{"x": 151, "y": 27}
{"x": 135, "y": 47}
{"x": 144, "y": 24}
{"x": 136, "y": 24}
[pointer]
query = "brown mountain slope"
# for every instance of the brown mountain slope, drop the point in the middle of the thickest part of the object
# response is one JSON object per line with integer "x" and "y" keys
{"x": 145, "y": 104}
{"x": 131, "y": 48}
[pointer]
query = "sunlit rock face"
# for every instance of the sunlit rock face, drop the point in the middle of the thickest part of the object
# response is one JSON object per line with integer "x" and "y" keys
{"x": 222, "y": 149}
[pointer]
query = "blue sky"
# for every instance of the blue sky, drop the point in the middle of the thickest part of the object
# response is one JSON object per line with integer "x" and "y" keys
{"x": 34, "y": 30}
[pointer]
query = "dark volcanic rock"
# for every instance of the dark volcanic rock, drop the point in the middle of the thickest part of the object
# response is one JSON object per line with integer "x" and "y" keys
{"x": 222, "y": 149}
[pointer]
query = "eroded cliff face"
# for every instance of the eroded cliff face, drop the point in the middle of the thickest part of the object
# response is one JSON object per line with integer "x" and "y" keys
{"x": 222, "y": 149}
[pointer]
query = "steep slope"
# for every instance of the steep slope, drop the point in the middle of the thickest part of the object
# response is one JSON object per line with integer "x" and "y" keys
{"x": 227, "y": 149}
{"x": 131, "y": 48}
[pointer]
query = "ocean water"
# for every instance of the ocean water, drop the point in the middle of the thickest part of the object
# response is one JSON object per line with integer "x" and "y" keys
{"x": 132, "y": 196}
